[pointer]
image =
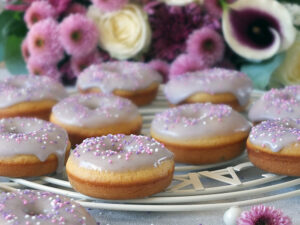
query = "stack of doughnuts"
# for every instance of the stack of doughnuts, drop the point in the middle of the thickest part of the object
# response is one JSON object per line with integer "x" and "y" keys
{"x": 132, "y": 80}
{"x": 29, "y": 96}
{"x": 216, "y": 85}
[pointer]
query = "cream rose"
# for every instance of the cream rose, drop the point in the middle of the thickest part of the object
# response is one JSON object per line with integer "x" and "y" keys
{"x": 123, "y": 33}
{"x": 288, "y": 72}
{"x": 181, "y": 2}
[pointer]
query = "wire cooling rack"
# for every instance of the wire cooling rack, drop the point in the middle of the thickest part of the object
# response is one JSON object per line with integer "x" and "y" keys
{"x": 206, "y": 187}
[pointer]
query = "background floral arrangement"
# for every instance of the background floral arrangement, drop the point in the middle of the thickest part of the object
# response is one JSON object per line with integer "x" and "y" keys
{"x": 59, "y": 38}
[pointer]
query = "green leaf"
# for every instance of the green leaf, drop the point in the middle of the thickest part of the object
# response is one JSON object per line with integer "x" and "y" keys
{"x": 13, "y": 57}
{"x": 260, "y": 73}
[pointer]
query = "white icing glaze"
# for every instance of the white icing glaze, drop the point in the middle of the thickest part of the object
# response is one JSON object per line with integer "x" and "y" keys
{"x": 276, "y": 134}
{"x": 193, "y": 121}
{"x": 26, "y": 207}
{"x": 211, "y": 81}
{"x": 120, "y": 153}
{"x": 25, "y": 88}
{"x": 31, "y": 136}
{"x": 130, "y": 76}
{"x": 277, "y": 104}
{"x": 94, "y": 110}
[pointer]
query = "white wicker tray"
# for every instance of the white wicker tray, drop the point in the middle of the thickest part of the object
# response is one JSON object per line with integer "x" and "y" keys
{"x": 235, "y": 182}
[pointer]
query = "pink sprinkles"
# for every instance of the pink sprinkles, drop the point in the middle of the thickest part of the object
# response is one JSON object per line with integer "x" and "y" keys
{"x": 56, "y": 208}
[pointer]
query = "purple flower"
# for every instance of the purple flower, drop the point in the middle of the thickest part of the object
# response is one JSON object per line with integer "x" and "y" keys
{"x": 213, "y": 7}
{"x": 257, "y": 29}
{"x": 38, "y": 11}
{"x": 109, "y": 5}
{"x": 184, "y": 64}
{"x": 161, "y": 67}
{"x": 43, "y": 43}
{"x": 36, "y": 67}
{"x": 171, "y": 27}
{"x": 263, "y": 215}
{"x": 78, "y": 35}
{"x": 207, "y": 44}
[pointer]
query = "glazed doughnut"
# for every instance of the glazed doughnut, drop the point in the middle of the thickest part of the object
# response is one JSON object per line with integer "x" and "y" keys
{"x": 132, "y": 80}
{"x": 29, "y": 96}
{"x": 274, "y": 146}
{"x": 120, "y": 167}
{"x": 201, "y": 133}
{"x": 277, "y": 104}
{"x": 96, "y": 114}
{"x": 216, "y": 85}
{"x": 31, "y": 147}
{"x": 39, "y": 207}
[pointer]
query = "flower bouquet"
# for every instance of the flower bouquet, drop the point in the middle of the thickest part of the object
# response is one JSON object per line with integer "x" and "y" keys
{"x": 61, "y": 38}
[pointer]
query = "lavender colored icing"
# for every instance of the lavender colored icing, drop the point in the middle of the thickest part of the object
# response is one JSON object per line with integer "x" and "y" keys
{"x": 94, "y": 110}
{"x": 277, "y": 104}
{"x": 212, "y": 81}
{"x": 26, "y": 207}
{"x": 130, "y": 76}
{"x": 31, "y": 136}
{"x": 193, "y": 121}
{"x": 276, "y": 134}
{"x": 120, "y": 153}
{"x": 24, "y": 88}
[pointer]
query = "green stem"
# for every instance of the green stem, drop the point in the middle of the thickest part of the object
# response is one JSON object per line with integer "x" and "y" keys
{"x": 224, "y": 4}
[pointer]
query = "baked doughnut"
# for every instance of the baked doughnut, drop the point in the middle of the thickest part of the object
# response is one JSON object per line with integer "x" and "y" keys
{"x": 31, "y": 147}
{"x": 39, "y": 207}
{"x": 29, "y": 96}
{"x": 132, "y": 80}
{"x": 120, "y": 167}
{"x": 274, "y": 146}
{"x": 96, "y": 114}
{"x": 216, "y": 85}
{"x": 201, "y": 133}
{"x": 277, "y": 104}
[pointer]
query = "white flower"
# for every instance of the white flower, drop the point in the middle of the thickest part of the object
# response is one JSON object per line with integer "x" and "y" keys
{"x": 294, "y": 10}
{"x": 181, "y": 2}
{"x": 288, "y": 72}
{"x": 123, "y": 33}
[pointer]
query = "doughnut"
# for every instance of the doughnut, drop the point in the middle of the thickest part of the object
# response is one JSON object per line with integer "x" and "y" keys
{"x": 96, "y": 114}
{"x": 201, "y": 133}
{"x": 132, "y": 80}
{"x": 277, "y": 104}
{"x": 31, "y": 147}
{"x": 216, "y": 85}
{"x": 29, "y": 96}
{"x": 274, "y": 146}
{"x": 120, "y": 167}
{"x": 40, "y": 207}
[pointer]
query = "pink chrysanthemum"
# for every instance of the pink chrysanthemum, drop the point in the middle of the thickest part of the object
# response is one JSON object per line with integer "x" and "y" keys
{"x": 76, "y": 8}
{"x": 161, "y": 67}
{"x": 261, "y": 214}
{"x": 37, "y": 68}
{"x": 38, "y": 11}
{"x": 213, "y": 7}
{"x": 60, "y": 5}
{"x": 110, "y": 5}
{"x": 207, "y": 44}
{"x": 43, "y": 42}
{"x": 78, "y": 35}
{"x": 185, "y": 63}
{"x": 25, "y": 50}
{"x": 79, "y": 64}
